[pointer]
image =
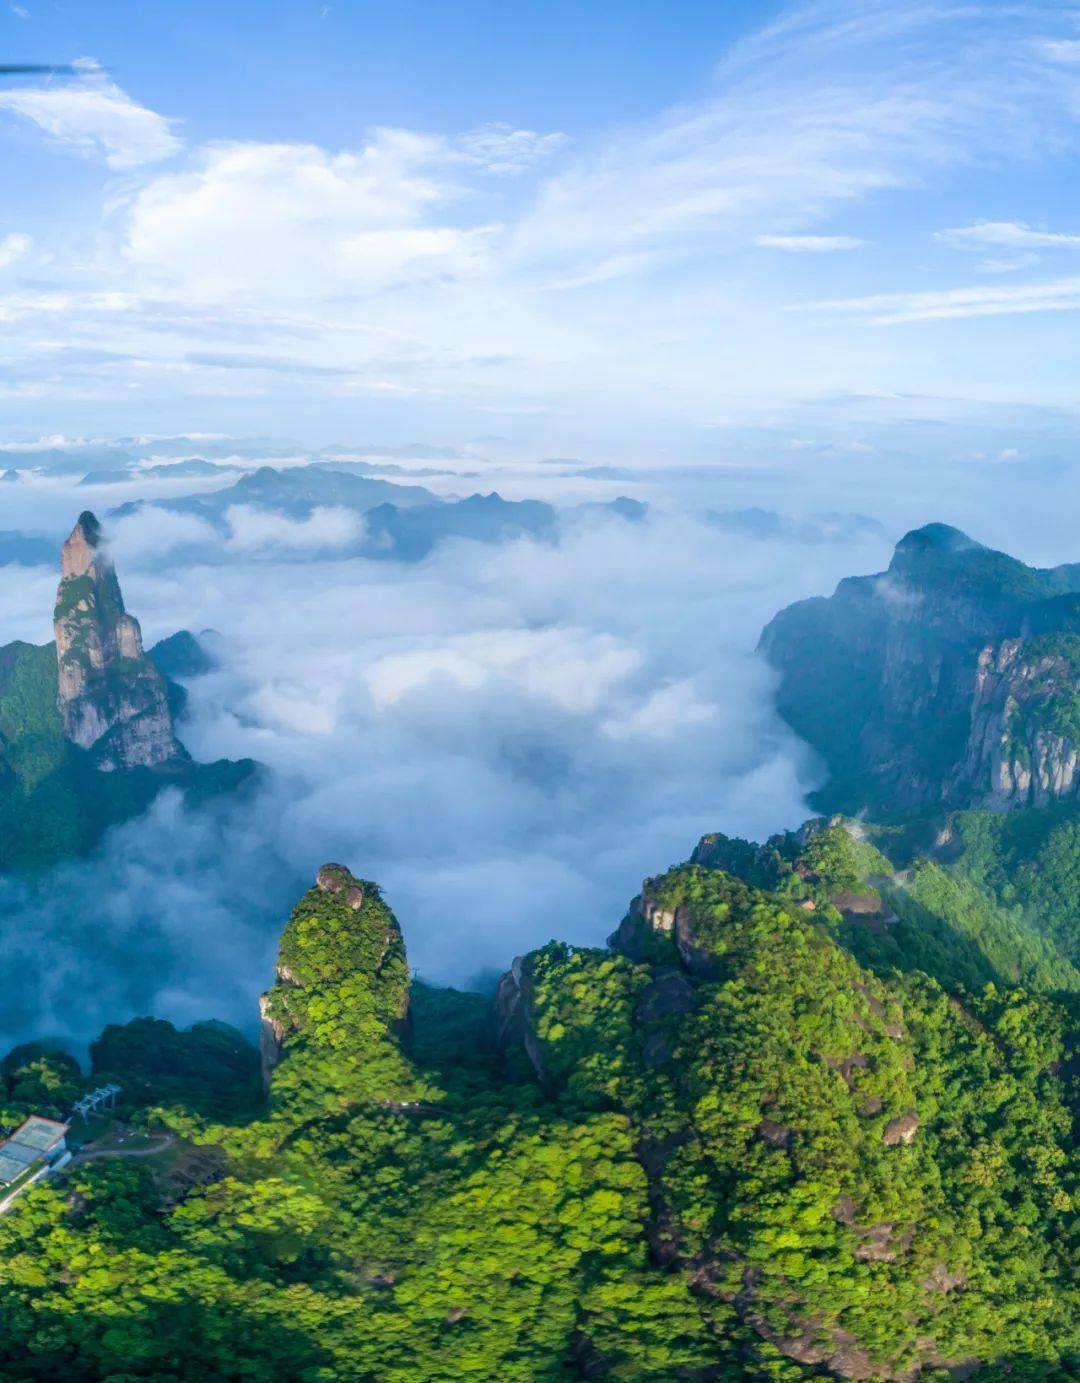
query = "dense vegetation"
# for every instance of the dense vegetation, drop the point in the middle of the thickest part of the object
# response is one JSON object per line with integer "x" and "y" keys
{"x": 809, "y": 1115}
{"x": 54, "y": 803}
{"x": 748, "y": 1157}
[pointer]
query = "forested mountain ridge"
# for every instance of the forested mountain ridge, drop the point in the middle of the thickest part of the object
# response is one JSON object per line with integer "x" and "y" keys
{"x": 810, "y": 1114}
{"x": 722, "y": 1149}
{"x": 950, "y": 680}
{"x": 87, "y": 734}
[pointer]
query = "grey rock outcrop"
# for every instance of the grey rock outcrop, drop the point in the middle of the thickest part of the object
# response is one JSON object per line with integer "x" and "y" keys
{"x": 271, "y": 1038}
{"x": 1019, "y": 751}
{"x": 902, "y": 1129}
{"x": 112, "y": 699}
{"x": 650, "y": 929}
{"x": 514, "y": 1025}
{"x": 948, "y": 681}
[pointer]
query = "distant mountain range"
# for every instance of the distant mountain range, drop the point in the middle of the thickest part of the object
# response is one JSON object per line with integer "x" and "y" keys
{"x": 401, "y": 522}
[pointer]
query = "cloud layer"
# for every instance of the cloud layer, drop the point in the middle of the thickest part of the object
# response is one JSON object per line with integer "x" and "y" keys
{"x": 508, "y": 739}
{"x": 614, "y": 278}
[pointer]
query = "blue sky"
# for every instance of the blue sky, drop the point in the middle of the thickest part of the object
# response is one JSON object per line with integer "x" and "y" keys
{"x": 636, "y": 230}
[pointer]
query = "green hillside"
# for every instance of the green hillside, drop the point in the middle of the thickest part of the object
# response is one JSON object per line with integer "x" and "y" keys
{"x": 748, "y": 1156}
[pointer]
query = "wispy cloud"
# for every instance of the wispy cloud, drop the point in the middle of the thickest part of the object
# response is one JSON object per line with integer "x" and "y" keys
{"x": 502, "y": 149}
{"x": 988, "y": 300}
{"x": 95, "y": 117}
{"x": 1009, "y": 264}
{"x": 1008, "y": 235}
{"x": 13, "y": 247}
{"x": 815, "y": 244}
{"x": 1063, "y": 50}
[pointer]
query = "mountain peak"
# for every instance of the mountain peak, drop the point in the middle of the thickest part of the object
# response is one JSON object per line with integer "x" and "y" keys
{"x": 111, "y": 697}
{"x": 84, "y": 548}
{"x": 935, "y": 537}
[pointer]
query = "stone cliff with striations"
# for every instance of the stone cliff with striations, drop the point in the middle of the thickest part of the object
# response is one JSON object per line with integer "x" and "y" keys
{"x": 950, "y": 680}
{"x": 112, "y": 699}
{"x": 87, "y": 736}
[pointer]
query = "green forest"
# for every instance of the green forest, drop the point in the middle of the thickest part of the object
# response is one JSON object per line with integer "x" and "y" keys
{"x": 739, "y": 1144}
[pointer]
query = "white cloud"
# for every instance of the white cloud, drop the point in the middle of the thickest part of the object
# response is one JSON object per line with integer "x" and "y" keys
{"x": 1008, "y": 265}
{"x": 95, "y": 117}
{"x": 401, "y": 270}
{"x": 499, "y": 148}
{"x": 816, "y": 244}
{"x": 986, "y": 300}
{"x": 12, "y": 247}
{"x": 507, "y": 717}
{"x": 671, "y": 711}
{"x": 153, "y": 533}
{"x": 255, "y": 529}
{"x": 576, "y": 670}
{"x": 1008, "y": 235}
{"x": 290, "y": 220}
{"x": 1063, "y": 50}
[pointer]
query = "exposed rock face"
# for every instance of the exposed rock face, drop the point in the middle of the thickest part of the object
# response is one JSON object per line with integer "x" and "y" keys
{"x": 271, "y": 1037}
{"x": 901, "y": 1129}
{"x": 513, "y": 1016}
{"x": 336, "y": 879}
{"x": 1021, "y": 748}
{"x": 922, "y": 686}
{"x": 644, "y": 924}
{"x": 650, "y": 925}
{"x": 112, "y": 699}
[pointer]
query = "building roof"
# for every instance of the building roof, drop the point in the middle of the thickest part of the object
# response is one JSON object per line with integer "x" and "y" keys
{"x": 34, "y": 1138}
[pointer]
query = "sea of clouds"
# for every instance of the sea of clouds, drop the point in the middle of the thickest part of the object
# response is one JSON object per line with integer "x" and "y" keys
{"x": 507, "y": 738}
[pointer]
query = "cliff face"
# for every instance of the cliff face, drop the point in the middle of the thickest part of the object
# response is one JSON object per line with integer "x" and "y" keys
{"x": 1022, "y": 747}
{"x": 112, "y": 699}
{"x": 915, "y": 685}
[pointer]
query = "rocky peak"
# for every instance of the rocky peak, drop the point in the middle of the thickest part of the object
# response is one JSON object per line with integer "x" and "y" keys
{"x": 925, "y": 686}
{"x": 112, "y": 699}
{"x": 84, "y": 546}
{"x": 337, "y": 880}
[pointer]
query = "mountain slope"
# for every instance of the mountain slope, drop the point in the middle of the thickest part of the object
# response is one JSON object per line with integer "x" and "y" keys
{"x": 721, "y": 1150}
{"x": 947, "y": 681}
